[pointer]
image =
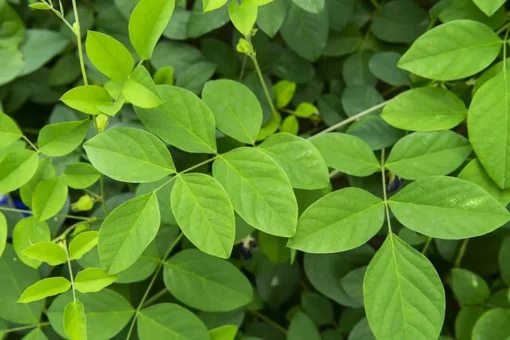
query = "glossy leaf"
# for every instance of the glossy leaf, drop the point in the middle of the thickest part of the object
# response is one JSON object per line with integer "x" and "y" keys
{"x": 87, "y": 98}
{"x": 16, "y": 169}
{"x": 140, "y": 89}
{"x": 469, "y": 288}
{"x": 75, "y": 322}
{"x": 49, "y": 197}
{"x": 80, "y": 175}
{"x": 204, "y": 212}
{"x": 48, "y": 252}
{"x": 91, "y": 280}
{"x": 447, "y": 208}
{"x": 259, "y": 190}
{"x": 129, "y": 155}
{"x": 82, "y": 244}
{"x": 9, "y": 131}
{"x": 44, "y": 288}
{"x": 284, "y": 91}
{"x": 402, "y": 285}
{"x": 62, "y": 138}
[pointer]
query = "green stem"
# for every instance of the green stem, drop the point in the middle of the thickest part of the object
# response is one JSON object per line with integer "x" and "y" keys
{"x": 502, "y": 29}
{"x": 103, "y": 198}
{"x": 460, "y": 254}
{"x": 426, "y": 246}
{"x": 267, "y": 320}
{"x": 71, "y": 276}
{"x": 31, "y": 144}
{"x": 80, "y": 218}
{"x": 199, "y": 165}
{"x": 253, "y": 57}
{"x": 375, "y": 4}
{"x": 154, "y": 277}
{"x": 77, "y": 33}
{"x": 22, "y": 328}
{"x": 243, "y": 68}
{"x": 385, "y": 195}
{"x": 155, "y": 297}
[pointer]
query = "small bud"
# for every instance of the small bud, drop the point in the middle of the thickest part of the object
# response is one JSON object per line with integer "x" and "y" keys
{"x": 80, "y": 226}
{"x": 76, "y": 28}
{"x": 101, "y": 122}
{"x": 243, "y": 46}
{"x": 84, "y": 203}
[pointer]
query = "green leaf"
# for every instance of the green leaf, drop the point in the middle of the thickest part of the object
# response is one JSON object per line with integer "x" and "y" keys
{"x": 211, "y": 5}
{"x": 109, "y": 56}
{"x": 82, "y": 244}
{"x": 236, "y": 109}
{"x": 423, "y": 154}
{"x": 270, "y": 17}
{"x": 356, "y": 71}
{"x": 347, "y": 153}
{"x": 503, "y": 256}
{"x": 305, "y": 33}
{"x": 259, "y": 190}
{"x": 75, "y": 322}
{"x": 467, "y": 9}
{"x": 35, "y": 334}
{"x": 489, "y": 7}
{"x": 44, "y": 288}
{"x": 401, "y": 285}
{"x": 306, "y": 110}
{"x": 80, "y": 175}
{"x": 243, "y": 16}
{"x": 195, "y": 76}
{"x": 273, "y": 247}
{"x": 301, "y": 161}
{"x": 440, "y": 53}
{"x": 290, "y": 125}
{"x": 107, "y": 313}
{"x": 221, "y": 285}
{"x": 65, "y": 70}
{"x": 27, "y": 232}
{"x": 140, "y": 89}
{"x": 16, "y": 169}
{"x": 91, "y": 280}
{"x": 40, "y": 6}
{"x": 45, "y": 170}
{"x": 48, "y": 252}
{"x": 383, "y": 65}
{"x": 375, "y": 132}
{"x": 3, "y": 233}
{"x": 169, "y": 321}
{"x": 425, "y": 109}
{"x": 318, "y": 307}
{"x": 130, "y": 155}
{"x": 49, "y": 197}
{"x": 147, "y": 23}
{"x": 494, "y": 324}
{"x": 225, "y": 332}
{"x": 284, "y": 91}
{"x": 340, "y": 221}
{"x": 447, "y": 208}
{"x": 183, "y": 120}
{"x": 62, "y": 138}
{"x": 201, "y": 23}
{"x": 127, "y": 231}
{"x": 490, "y": 106}
{"x": 312, "y": 6}
{"x": 15, "y": 277}
{"x": 469, "y": 288}
{"x": 390, "y": 25}
{"x": 12, "y": 62}
{"x": 465, "y": 321}
{"x": 204, "y": 213}
{"x": 9, "y": 131}
{"x": 87, "y": 99}
{"x": 39, "y": 47}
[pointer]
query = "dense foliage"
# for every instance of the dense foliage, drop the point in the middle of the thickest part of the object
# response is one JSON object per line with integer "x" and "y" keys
{"x": 257, "y": 169}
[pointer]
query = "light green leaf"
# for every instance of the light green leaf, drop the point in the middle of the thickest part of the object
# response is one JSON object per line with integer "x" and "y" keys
{"x": 469, "y": 288}
{"x": 424, "y": 154}
{"x": 15, "y": 277}
{"x": 107, "y": 313}
{"x": 225, "y": 332}
{"x": 27, "y": 232}
{"x": 80, "y": 175}
{"x": 109, "y": 56}
{"x": 140, "y": 89}
{"x": 302, "y": 327}
{"x": 62, "y": 138}
{"x": 82, "y": 244}
{"x": 39, "y": 47}
{"x": 171, "y": 322}
{"x": 49, "y": 197}
{"x": 259, "y": 190}
{"x": 440, "y": 53}
{"x": 91, "y": 280}
{"x": 273, "y": 247}
{"x": 127, "y": 231}
{"x": 290, "y": 125}
{"x": 75, "y": 321}
{"x": 45, "y": 170}
{"x": 494, "y": 324}
{"x": 312, "y": 6}
{"x": 236, "y": 109}
{"x": 48, "y": 252}
{"x": 447, "y": 208}
{"x": 284, "y": 91}
{"x": 340, "y": 221}
{"x": 164, "y": 76}
{"x": 211, "y": 5}
{"x": 401, "y": 285}
{"x": 243, "y": 16}
{"x": 9, "y": 131}
{"x": 301, "y": 161}
{"x": 347, "y": 153}
{"x": 87, "y": 98}
{"x": 306, "y": 110}
{"x": 147, "y": 23}
{"x": 489, "y": 108}
{"x": 204, "y": 213}
{"x": 130, "y": 155}
{"x": 489, "y": 7}
{"x": 16, "y": 169}
{"x": 221, "y": 285}
{"x": 425, "y": 109}
{"x": 3, "y": 233}
{"x": 44, "y": 288}
{"x": 183, "y": 120}
{"x": 40, "y": 6}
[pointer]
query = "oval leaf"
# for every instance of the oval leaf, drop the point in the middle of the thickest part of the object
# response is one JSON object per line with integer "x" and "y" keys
{"x": 91, "y": 280}
{"x": 140, "y": 89}
{"x": 48, "y": 252}
{"x": 9, "y": 131}
{"x": 82, "y": 244}
{"x": 16, "y": 169}
{"x": 49, "y": 197}
{"x": 87, "y": 98}
{"x": 80, "y": 175}
{"x": 494, "y": 324}
{"x": 44, "y": 288}
{"x": 75, "y": 322}
{"x": 62, "y": 138}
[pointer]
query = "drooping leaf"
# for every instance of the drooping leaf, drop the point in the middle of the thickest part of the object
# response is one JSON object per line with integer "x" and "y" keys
{"x": 82, "y": 244}
{"x": 259, "y": 190}
{"x": 183, "y": 120}
{"x": 44, "y": 288}
{"x": 127, "y": 231}
{"x": 16, "y": 169}
{"x": 340, "y": 221}
{"x": 87, "y": 99}
{"x": 302, "y": 327}
{"x": 439, "y": 53}
{"x": 493, "y": 324}
{"x": 204, "y": 212}
{"x": 401, "y": 285}
{"x": 243, "y": 16}
{"x": 222, "y": 286}
{"x": 75, "y": 322}
{"x": 170, "y": 321}
{"x": 147, "y": 23}
{"x": 469, "y": 288}
{"x": 80, "y": 175}
{"x": 48, "y": 252}
{"x": 62, "y": 138}
{"x": 49, "y": 197}
{"x": 447, "y": 208}
{"x": 130, "y": 155}
{"x": 9, "y": 131}
{"x": 140, "y": 89}
{"x": 347, "y": 153}
{"x": 91, "y": 280}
